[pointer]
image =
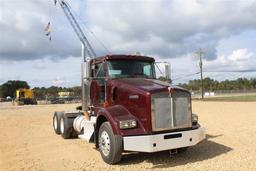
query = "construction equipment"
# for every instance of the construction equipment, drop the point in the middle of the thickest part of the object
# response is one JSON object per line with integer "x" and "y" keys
{"x": 125, "y": 108}
{"x": 24, "y": 97}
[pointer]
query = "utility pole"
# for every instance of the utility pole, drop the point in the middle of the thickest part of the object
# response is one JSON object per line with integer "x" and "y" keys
{"x": 200, "y": 53}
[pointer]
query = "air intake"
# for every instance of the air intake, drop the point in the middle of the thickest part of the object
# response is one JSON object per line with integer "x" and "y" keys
{"x": 170, "y": 111}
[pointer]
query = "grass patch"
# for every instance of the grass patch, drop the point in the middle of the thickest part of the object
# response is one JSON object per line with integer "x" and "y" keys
{"x": 244, "y": 98}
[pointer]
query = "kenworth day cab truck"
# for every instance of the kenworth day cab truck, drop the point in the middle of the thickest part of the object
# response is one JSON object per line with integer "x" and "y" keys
{"x": 125, "y": 108}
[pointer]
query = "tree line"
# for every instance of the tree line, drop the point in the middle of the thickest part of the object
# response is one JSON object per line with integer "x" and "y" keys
{"x": 43, "y": 92}
{"x": 213, "y": 85}
{"x": 9, "y": 88}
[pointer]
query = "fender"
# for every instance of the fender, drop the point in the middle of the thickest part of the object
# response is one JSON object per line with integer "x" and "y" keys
{"x": 117, "y": 113}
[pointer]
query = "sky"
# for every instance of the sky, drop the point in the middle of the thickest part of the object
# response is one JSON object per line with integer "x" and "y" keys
{"x": 169, "y": 30}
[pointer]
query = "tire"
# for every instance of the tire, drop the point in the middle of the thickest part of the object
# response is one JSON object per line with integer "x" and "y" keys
{"x": 110, "y": 145}
{"x": 56, "y": 122}
{"x": 66, "y": 127}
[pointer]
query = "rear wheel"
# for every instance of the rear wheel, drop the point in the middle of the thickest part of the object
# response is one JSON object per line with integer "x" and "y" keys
{"x": 56, "y": 122}
{"x": 66, "y": 127}
{"x": 110, "y": 145}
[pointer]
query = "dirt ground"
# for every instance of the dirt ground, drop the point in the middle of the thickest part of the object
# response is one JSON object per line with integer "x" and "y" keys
{"x": 27, "y": 142}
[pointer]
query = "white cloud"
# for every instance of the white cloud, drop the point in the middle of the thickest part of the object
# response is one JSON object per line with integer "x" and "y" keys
{"x": 22, "y": 26}
{"x": 169, "y": 28}
{"x": 240, "y": 55}
{"x": 60, "y": 81}
{"x": 163, "y": 28}
{"x": 238, "y": 60}
{"x": 43, "y": 72}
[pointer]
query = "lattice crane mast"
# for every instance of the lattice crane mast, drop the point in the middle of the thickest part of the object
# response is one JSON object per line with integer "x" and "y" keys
{"x": 86, "y": 46}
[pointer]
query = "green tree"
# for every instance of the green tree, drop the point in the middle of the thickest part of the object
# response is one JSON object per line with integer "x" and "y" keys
{"x": 53, "y": 91}
{"x": 77, "y": 90}
{"x": 253, "y": 82}
{"x": 40, "y": 92}
{"x": 1, "y": 93}
{"x": 212, "y": 85}
{"x": 9, "y": 88}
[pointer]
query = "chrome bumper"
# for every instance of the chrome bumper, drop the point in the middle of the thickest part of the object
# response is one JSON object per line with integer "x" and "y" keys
{"x": 166, "y": 141}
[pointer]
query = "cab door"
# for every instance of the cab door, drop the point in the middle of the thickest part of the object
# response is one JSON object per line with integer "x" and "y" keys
{"x": 98, "y": 85}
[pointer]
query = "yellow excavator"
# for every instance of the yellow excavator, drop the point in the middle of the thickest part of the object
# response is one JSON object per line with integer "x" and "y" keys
{"x": 25, "y": 96}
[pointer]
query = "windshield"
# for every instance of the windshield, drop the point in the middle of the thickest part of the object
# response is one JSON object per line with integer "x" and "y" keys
{"x": 127, "y": 68}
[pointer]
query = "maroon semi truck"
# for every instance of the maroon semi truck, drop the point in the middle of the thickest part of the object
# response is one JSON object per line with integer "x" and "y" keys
{"x": 125, "y": 108}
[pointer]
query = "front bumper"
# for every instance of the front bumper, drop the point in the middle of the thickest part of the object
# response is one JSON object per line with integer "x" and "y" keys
{"x": 166, "y": 141}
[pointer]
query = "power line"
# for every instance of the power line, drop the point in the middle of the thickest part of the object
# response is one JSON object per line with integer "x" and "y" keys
{"x": 248, "y": 70}
{"x": 184, "y": 76}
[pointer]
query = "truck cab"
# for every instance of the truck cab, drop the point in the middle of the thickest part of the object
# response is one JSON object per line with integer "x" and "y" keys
{"x": 125, "y": 108}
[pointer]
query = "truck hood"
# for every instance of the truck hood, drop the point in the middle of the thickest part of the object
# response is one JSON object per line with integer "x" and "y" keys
{"x": 148, "y": 85}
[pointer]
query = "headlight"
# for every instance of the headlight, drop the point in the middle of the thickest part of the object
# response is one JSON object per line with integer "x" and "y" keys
{"x": 127, "y": 124}
{"x": 194, "y": 119}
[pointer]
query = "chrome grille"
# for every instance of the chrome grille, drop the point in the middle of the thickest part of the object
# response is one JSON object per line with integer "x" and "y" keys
{"x": 170, "y": 111}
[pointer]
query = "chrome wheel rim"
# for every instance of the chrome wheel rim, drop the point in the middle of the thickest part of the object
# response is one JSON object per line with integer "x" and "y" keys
{"x": 62, "y": 125}
{"x": 104, "y": 143}
{"x": 55, "y": 124}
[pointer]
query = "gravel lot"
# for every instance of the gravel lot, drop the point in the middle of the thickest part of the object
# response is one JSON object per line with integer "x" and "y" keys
{"x": 27, "y": 142}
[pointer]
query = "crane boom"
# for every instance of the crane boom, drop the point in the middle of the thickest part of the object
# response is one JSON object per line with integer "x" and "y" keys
{"x": 80, "y": 34}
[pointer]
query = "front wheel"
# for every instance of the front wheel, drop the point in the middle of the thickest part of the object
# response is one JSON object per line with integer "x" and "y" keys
{"x": 110, "y": 145}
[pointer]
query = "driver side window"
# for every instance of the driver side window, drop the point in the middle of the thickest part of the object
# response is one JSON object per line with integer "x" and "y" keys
{"x": 98, "y": 71}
